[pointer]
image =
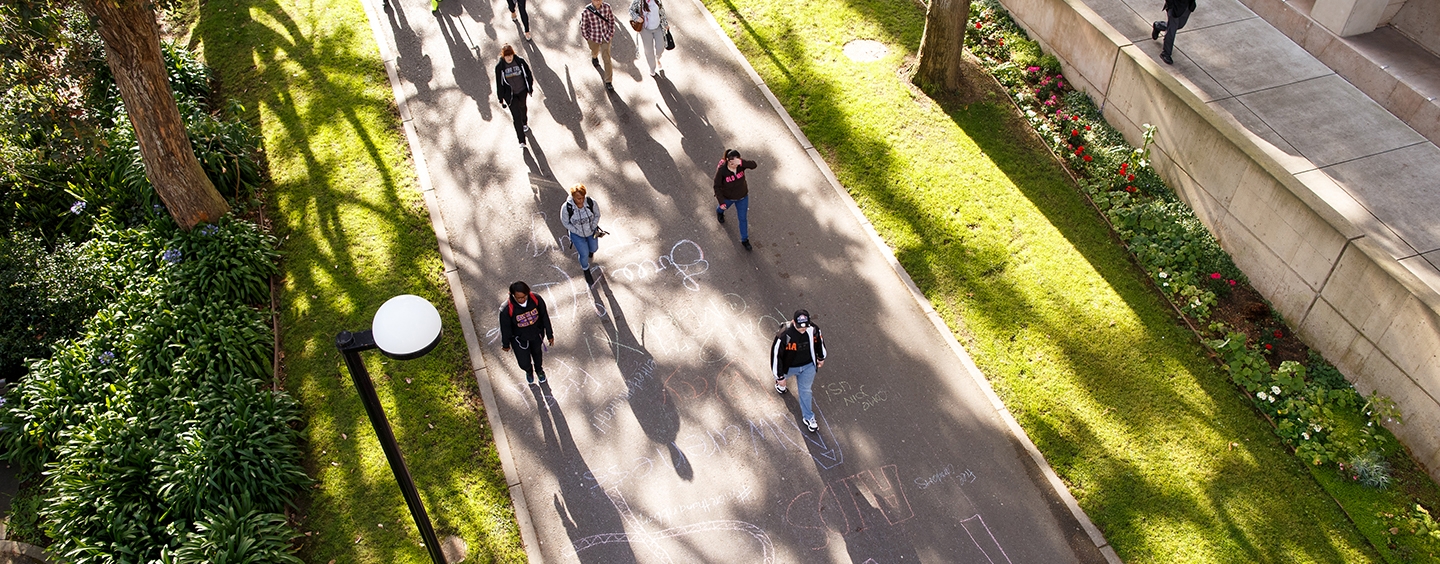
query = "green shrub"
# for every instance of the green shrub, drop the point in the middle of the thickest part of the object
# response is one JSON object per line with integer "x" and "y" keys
{"x": 46, "y": 297}
{"x": 156, "y": 427}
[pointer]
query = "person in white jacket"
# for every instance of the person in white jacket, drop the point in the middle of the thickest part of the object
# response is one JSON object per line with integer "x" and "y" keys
{"x": 581, "y": 217}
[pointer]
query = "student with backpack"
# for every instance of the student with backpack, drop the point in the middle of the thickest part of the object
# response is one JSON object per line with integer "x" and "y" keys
{"x": 797, "y": 351}
{"x": 581, "y": 217}
{"x": 732, "y": 190}
{"x": 524, "y": 321}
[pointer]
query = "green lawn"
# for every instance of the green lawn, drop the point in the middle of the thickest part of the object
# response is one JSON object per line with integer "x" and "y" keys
{"x": 356, "y": 232}
{"x": 1158, "y": 447}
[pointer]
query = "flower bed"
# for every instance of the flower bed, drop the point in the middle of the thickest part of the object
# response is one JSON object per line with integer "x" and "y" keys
{"x": 1312, "y": 408}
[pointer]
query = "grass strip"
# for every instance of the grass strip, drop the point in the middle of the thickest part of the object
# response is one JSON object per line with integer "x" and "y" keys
{"x": 1159, "y": 448}
{"x": 355, "y": 232}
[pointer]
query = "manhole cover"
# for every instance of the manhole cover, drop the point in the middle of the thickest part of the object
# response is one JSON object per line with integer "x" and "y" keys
{"x": 865, "y": 50}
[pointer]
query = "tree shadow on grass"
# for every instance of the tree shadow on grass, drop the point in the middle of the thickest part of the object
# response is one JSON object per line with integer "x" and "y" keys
{"x": 342, "y": 213}
{"x": 961, "y": 268}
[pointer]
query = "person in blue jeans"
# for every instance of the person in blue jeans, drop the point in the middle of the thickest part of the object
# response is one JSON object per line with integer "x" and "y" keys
{"x": 731, "y": 190}
{"x": 581, "y": 217}
{"x": 798, "y": 350}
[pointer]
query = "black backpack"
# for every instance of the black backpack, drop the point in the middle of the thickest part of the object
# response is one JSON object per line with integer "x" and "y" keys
{"x": 570, "y": 208}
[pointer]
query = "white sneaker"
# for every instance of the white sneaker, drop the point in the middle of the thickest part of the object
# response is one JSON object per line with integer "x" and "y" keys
{"x": 809, "y": 423}
{"x": 780, "y": 387}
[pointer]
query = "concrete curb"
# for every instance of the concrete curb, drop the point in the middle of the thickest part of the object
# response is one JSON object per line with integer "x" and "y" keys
{"x": 984, "y": 384}
{"x": 28, "y": 553}
{"x": 457, "y": 292}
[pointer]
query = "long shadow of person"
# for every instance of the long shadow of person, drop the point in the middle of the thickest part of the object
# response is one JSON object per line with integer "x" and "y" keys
{"x": 469, "y": 70}
{"x": 559, "y": 94}
{"x": 655, "y": 162}
{"x": 411, "y": 62}
{"x": 697, "y": 136}
{"x": 644, "y": 385}
{"x": 536, "y": 161}
{"x": 623, "y": 50}
{"x": 595, "y": 527}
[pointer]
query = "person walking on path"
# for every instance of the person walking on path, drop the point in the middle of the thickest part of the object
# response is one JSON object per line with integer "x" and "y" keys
{"x": 1177, "y": 13}
{"x": 648, "y": 18}
{"x": 524, "y": 16}
{"x": 513, "y": 85}
{"x": 524, "y": 321}
{"x": 732, "y": 190}
{"x": 798, "y": 350}
{"x": 581, "y": 217}
{"x": 597, "y": 26}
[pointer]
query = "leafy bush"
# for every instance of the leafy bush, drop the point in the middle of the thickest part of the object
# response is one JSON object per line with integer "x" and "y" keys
{"x": 156, "y": 427}
{"x": 46, "y": 297}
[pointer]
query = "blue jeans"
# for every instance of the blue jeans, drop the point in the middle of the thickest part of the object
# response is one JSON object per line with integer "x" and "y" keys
{"x": 586, "y": 246}
{"x": 804, "y": 379}
{"x": 742, "y": 207}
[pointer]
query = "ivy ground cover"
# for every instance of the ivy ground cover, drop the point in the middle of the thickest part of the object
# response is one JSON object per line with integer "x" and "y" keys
{"x": 1160, "y": 449}
{"x": 355, "y": 232}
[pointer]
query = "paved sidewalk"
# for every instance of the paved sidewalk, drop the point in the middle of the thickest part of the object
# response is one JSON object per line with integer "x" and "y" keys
{"x": 1380, "y": 171}
{"x": 659, "y": 437}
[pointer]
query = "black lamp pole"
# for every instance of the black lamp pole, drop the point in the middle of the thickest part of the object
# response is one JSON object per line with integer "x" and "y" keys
{"x": 350, "y": 345}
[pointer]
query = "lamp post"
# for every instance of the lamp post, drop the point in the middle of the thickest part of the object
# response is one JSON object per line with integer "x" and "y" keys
{"x": 405, "y": 327}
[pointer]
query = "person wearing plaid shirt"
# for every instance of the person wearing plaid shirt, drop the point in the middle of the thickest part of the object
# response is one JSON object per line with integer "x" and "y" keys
{"x": 597, "y": 26}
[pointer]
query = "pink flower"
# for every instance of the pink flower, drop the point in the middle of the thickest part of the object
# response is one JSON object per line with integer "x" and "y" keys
{"x": 1033, "y": 69}
{"x": 1232, "y": 282}
{"x": 1215, "y": 275}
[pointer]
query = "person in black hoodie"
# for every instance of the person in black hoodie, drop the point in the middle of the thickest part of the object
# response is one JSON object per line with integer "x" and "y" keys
{"x": 513, "y": 85}
{"x": 524, "y": 320}
{"x": 732, "y": 190}
{"x": 798, "y": 350}
{"x": 1177, "y": 12}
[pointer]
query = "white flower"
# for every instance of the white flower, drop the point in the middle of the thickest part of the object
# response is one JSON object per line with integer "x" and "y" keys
{"x": 1317, "y": 428}
{"x": 1272, "y": 399}
{"x": 1164, "y": 275}
{"x": 1260, "y": 395}
{"x": 1275, "y": 389}
{"x": 1305, "y": 436}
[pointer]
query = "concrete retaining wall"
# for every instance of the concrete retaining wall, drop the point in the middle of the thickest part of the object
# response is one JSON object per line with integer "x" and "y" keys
{"x": 1284, "y": 222}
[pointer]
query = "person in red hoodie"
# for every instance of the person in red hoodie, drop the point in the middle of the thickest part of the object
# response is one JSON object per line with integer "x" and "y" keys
{"x": 524, "y": 320}
{"x": 732, "y": 190}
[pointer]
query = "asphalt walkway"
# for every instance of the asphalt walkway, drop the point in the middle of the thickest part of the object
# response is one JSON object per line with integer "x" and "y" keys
{"x": 659, "y": 437}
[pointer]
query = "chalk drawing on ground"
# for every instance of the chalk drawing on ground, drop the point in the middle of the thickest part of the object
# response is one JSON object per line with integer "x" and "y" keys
{"x": 985, "y": 540}
{"x": 652, "y": 540}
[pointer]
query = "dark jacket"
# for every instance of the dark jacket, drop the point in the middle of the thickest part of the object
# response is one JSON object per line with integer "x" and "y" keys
{"x": 502, "y": 86}
{"x": 524, "y": 323}
{"x": 1173, "y": 6}
{"x": 795, "y": 348}
{"x": 731, "y": 185}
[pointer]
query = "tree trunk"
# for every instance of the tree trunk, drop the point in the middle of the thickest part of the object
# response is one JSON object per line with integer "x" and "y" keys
{"x": 942, "y": 47}
{"x": 132, "y": 49}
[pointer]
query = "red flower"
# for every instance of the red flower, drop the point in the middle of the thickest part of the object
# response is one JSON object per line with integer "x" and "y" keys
{"x": 1087, "y": 128}
{"x": 1130, "y": 178}
{"x": 1074, "y": 118}
{"x": 1074, "y": 133}
{"x": 1129, "y": 188}
{"x": 1087, "y": 158}
{"x": 1269, "y": 346}
{"x": 1279, "y": 334}
{"x": 1124, "y": 166}
{"x": 977, "y": 25}
{"x": 1081, "y": 149}
{"x": 1002, "y": 41}
{"x": 1215, "y": 275}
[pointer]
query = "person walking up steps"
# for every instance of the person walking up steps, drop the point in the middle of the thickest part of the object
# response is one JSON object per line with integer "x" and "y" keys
{"x": 597, "y": 26}
{"x": 513, "y": 85}
{"x": 524, "y": 321}
{"x": 648, "y": 18}
{"x": 581, "y": 217}
{"x": 798, "y": 350}
{"x": 1177, "y": 12}
{"x": 524, "y": 16}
